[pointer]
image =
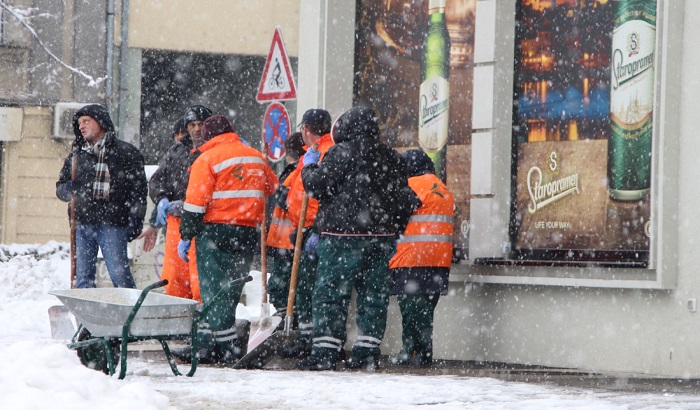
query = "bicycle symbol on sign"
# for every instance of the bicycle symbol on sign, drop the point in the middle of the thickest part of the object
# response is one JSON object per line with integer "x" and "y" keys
{"x": 277, "y": 81}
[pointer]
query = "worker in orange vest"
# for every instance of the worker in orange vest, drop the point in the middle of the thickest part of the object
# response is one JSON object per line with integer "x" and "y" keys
{"x": 223, "y": 208}
{"x": 315, "y": 130}
{"x": 279, "y": 242}
{"x": 421, "y": 265}
{"x": 167, "y": 189}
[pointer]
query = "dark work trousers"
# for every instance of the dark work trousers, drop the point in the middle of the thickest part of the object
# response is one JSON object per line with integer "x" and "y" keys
{"x": 280, "y": 262}
{"x": 224, "y": 253}
{"x": 308, "y": 265}
{"x": 417, "y": 313}
{"x": 343, "y": 264}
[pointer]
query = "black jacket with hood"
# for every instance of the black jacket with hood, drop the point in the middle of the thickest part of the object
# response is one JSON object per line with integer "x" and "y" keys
{"x": 173, "y": 173}
{"x": 361, "y": 184}
{"x": 126, "y": 205}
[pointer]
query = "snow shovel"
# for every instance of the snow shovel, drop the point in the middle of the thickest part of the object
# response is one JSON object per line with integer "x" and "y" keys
{"x": 267, "y": 348}
{"x": 267, "y": 324}
{"x": 59, "y": 316}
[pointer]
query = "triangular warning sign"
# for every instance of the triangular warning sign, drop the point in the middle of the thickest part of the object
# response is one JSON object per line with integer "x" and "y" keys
{"x": 277, "y": 82}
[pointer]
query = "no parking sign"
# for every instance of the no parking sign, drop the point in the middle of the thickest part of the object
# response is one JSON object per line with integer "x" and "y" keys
{"x": 275, "y": 130}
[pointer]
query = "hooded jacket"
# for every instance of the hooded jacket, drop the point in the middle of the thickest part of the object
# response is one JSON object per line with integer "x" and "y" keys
{"x": 126, "y": 205}
{"x": 361, "y": 184}
{"x": 170, "y": 179}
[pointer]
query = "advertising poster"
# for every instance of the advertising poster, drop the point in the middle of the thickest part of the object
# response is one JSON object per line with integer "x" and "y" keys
{"x": 414, "y": 66}
{"x": 582, "y": 135}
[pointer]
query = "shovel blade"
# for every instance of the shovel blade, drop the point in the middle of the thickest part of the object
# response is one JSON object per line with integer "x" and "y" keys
{"x": 61, "y": 323}
{"x": 263, "y": 344}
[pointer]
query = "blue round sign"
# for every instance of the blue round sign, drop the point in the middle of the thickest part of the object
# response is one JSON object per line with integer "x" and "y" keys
{"x": 276, "y": 129}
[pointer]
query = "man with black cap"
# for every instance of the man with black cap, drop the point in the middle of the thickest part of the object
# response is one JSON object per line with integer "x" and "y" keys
{"x": 364, "y": 202}
{"x": 315, "y": 131}
{"x": 421, "y": 265}
{"x": 109, "y": 189}
{"x": 167, "y": 189}
{"x": 223, "y": 207}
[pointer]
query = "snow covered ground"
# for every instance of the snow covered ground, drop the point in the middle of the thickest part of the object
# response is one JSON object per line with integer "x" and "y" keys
{"x": 37, "y": 372}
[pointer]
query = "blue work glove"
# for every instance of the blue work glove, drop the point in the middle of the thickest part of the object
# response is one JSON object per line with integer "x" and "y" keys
{"x": 311, "y": 244}
{"x": 182, "y": 248}
{"x": 311, "y": 156}
{"x": 162, "y": 212}
{"x": 175, "y": 208}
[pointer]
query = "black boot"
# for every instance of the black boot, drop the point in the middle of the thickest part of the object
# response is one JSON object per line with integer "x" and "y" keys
{"x": 315, "y": 364}
{"x": 298, "y": 349}
{"x": 366, "y": 363}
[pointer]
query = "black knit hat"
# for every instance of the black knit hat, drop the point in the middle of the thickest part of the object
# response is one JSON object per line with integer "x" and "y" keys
{"x": 98, "y": 113}
{"x": 418, "y": 163}
{"x": 215, "y": 125}
{"x": 197, "y": 113}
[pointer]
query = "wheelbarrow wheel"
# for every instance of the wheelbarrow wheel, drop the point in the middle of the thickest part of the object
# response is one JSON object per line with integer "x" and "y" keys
{"x": 95, "y": 356}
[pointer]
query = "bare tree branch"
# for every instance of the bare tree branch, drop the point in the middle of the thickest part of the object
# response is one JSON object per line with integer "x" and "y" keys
{"x": 18, "y": 14}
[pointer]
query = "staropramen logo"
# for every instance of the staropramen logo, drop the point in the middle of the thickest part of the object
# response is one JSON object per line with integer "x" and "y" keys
{"x": 543, "y": 192}
{"x": 624, "y": 68}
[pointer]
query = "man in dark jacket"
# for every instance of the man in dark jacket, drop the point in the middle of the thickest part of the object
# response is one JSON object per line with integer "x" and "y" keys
{"x": 364, "y": 201}
{"x": 167, "y": 189}
{"x": 110, "y": 196}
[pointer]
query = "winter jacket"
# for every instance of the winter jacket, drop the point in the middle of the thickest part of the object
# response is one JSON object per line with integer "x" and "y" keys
{"x": 126, "y": 205}
{"x": 361, "y": 184}
{"x": 427, "y": 240}
{"x": 228, "y": 185}
{"x": 170, "y": 179}
{"x": 296, "y": 187}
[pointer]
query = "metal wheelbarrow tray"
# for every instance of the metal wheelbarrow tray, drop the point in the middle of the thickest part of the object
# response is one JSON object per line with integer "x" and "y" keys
{"x": 104, "y": 311}
{"x": 110, "y": 318}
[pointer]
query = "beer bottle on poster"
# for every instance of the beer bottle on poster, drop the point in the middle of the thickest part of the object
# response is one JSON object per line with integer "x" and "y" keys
{"x": 434, "y": 106}
{"x": 631, "y": 99}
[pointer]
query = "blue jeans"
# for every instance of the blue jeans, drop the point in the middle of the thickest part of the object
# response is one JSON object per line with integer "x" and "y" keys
{"x": 113, "y": 242}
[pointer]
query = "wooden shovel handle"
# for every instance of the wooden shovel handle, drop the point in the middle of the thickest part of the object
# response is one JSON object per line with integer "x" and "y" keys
{"x": 297, "y": 256}
{"x": 74, "y": 172}
{"x": 263, "y": 253}
{"x": 297, "y": 252}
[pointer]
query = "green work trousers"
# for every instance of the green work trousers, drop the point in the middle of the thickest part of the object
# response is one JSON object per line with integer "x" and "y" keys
{"x": 417, "y": 319}
{"x": 280, "y": 262}
{"x": 224, "y": 253}
{"x": 343, "y": 264}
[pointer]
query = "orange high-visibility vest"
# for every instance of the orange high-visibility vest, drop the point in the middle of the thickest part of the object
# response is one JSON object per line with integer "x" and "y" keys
{"x": 296, "y": 187}
{"x": 427, "y": 240}
{"x": 280, "y": 229}
{"x": 229, "y": 182}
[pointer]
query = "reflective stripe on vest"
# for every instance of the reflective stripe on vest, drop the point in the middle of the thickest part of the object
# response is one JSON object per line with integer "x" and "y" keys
{"x": 237, "y": 161}
{"x": 431, "y": 218}
{"x": 425, "y": 238}
{"x": 281, "y": 222}
{"x": 194, "y": 208}
{"x": 252, "y": 193}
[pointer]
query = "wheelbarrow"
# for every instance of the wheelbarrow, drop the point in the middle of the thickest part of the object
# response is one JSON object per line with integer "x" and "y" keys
{"x": 111, "y": 318}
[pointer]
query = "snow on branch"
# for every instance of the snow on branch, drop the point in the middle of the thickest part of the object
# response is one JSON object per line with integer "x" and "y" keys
{"x": 22, "y": 16}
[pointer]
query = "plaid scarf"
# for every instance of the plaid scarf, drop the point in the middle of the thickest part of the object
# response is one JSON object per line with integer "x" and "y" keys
{"x": 100, "y": 187}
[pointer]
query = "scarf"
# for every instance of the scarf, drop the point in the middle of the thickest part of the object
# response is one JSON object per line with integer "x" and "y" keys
{"x": 100, "y": 187}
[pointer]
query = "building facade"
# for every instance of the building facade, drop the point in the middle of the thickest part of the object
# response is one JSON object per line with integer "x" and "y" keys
{"x": 556, "y": 265}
